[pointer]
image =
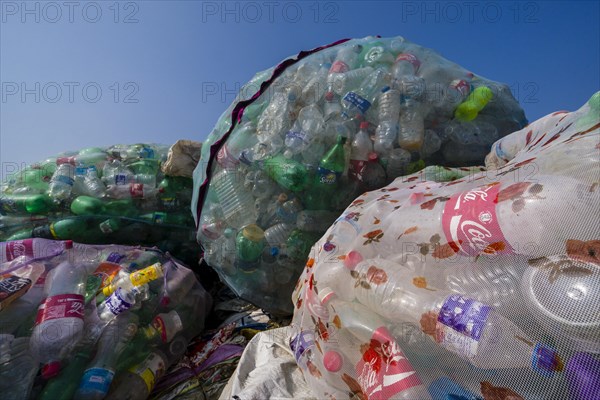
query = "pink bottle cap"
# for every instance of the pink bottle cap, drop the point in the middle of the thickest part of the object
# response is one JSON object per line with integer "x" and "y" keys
{"x": 332, "y": 360}
{"x": 352, "y": 259}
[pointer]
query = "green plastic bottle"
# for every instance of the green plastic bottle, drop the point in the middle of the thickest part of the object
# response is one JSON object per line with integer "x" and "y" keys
{"x": 86, "y": 205}
{"x": 63, "y": 386}
{"x": 121, "y": 208}
{"x": 249, "y": 243}
{"x": 36, "y": 178}
{"x": 287, "y": 172}
{"x": 25, "y": 203}
{"x": 160, "y": 218}
{"x": 477, "y": 100}
{"x": 81, "y": 229}
{"x": 329, "y": 173}
{"x": 299, "y": 243}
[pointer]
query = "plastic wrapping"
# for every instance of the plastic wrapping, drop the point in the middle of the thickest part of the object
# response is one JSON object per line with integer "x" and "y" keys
{"x": 117, "y": 194}
{"x": 303, "y": 139}
{"x": 91, "y": 315}
{"x": 481, "y": 285}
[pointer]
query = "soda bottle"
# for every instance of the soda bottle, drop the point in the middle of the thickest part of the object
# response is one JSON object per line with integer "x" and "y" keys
{"x": 86, "y": 205}
{"x": 17, "y": 282}
{"x": 62, "y": 313}
{"x": 98, "y": 376}
{"x": 467, "y": 327}
{"x": 18, "y": 367}
{"x": 475, "y": 102}
{"x": 25, "y": 203}
{"x": 139, "y": 380}
{"x": 276, "y": 119}
{"x": 345, "y": 61}
{"x": 288, "y": 173}
{"x": 64, "y": 385}
{"x": 90, "y": 157}
{"x": 359, "y": 152}
{"x": 115, "y": 173}
{"x": 61, "y": 183}
{"x": 399, "y": 379}
{"x": 69, "y": 228}
{"x": 132, "y": 190}
{"x": 249, "y": 245}
{"x": 128, "y": 281}
{"x": 359, "y": 101}
{"x": 332, "y": 165}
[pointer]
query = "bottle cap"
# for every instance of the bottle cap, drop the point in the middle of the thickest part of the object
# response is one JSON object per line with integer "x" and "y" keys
{"x": 364, "y": 125}
{"x": 50, "y": 370}
{"x": 253, "y": 232}
{"x": 352, "y": 259}
{"x": 582, "y": 375}
{"x": 332, "y": 361}
{"x": 68, "y": 244}
{"x": 373, "y": 157}
{"x": 326, "y": 294}
{"x": 329, "y": 96}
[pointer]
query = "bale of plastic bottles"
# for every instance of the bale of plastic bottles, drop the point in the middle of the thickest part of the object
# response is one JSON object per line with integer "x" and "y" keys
{"x": 464, "y": 284}
{"x": 97, "y": 195}
{"x": 91, "y": 322}
{"x": 303, "y": 139}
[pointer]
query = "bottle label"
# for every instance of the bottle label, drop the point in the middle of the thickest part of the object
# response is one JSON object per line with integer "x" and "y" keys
{"x": 116, "y": 304}
{"x": 170, "y": 203}
{"x": 301, "y": 343}
{"x": 64, "y": 179}
{"x": 120, "y": 179}
{"x": 358, "y": 101}
{"x": 327, "y": 176}
{"x": 11, "y": 288}
{"x": 106, "y": 227}
{"x": 114, "y": 257}
{"x": 151, "y": 369}
{"x": 136, "y": 190}
{"x": 226, "y": 159}
{"x": 166, "y": 334}
{"x": 296, "y": 135}
{"x": 60, "y": 306}
{"x": 545, "y": 361}
{"x": 146, "y": 152}
{"x": 107, "y": 271}
{"x": 357, "y": 169}
{"x": 461, "y": 86}
{"x": 159, "y": 218}
{"x": 81, "y": 171}
{"x": 470, "y": 222}
{"x": 96, "y": 380}
{"x": 145, "y": 275}
{"x": 411, "y": 58}
{"x": 383, "y": 369}
{"x": 18, "y": 248}
{"x": 339, "y": 67}
{"x": 460, "y": 324}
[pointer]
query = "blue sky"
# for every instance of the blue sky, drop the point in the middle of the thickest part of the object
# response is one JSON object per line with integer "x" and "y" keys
{"x": 98, "y": 73}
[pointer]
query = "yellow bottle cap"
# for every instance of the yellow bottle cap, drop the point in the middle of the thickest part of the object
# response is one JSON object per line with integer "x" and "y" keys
{"x": 253, "y": 232}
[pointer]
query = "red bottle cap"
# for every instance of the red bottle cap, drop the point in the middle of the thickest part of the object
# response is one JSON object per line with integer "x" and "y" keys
{"x": 68, "y": 244}
{"x": 50, "y": 370}
{"x": 329, "y": 96}
{"x": 364, "y": 125}
{"x": 373, "y": 156}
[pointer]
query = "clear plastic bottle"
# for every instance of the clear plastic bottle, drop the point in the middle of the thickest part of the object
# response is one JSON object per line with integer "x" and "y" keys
{"x": 345, "y": 61}
{"x": 397, "y": 162}
{"x": 275, "y": 119}
{"x": 359, "y": 152}
{"x": 389, "y": 115}
{"x": 405, "y": 79}
{"x": 99, "y": 374}
{"x": 236, "y": 201}
{"x": 316, "y": 86}
{"x": 308, "y": 125}
{"x": 243, "y": 137}
{"x": 398, "y": 380}
{"x": 411, "y": 125}
{"x": 137, "y": 383}
{"x": 471, "y": 329}
{"x": 374, "y": 174}
{"x": 359, "y": 101}
{"x": 352, "y": 78}
{"x": 115, "y": 173}
{"x": 18, "y": 367}
{"x": 92, "y": 184}
{"x": 431, "y": 143}
{"x": 277, "y": 235}
{"x": 59, "y": 322}
{"x": 131, "y": 191}
{"x": 61, "y": 183}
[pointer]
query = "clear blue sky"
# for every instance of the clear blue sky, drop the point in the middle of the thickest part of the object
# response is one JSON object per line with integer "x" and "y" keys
{"x": 158, "y": 63}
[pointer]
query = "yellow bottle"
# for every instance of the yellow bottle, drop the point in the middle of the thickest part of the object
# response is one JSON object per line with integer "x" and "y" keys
{"x": 477, "y": 100}
{"x": 137, "y": 278}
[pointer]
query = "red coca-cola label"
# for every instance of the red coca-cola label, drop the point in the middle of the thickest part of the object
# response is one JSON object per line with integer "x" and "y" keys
{"x": 469, "y": 220}
{"x": 60, "y": 306}
{"x": 357, "y": 170}
{"x": 159, "y": 324}
{"x": 226, "y": 159}
{"x": 339, "y": 67}
{"x": 461, "y": 86}
{"x": 136, "y": 190}
{"x": 19, "y": 248}
{"x": 383, "y": 369}
{"x": 411, "y": 58}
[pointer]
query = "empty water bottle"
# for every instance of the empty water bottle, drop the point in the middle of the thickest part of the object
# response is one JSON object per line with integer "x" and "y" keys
{"x": 412, "y": 125}
{"x": 307, "y": 126}
{"x": 61, "y": 184}
{"x": 236, "y": 201}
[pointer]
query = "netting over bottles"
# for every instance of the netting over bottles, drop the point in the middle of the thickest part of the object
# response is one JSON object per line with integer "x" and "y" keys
{"x": 464, "y": 283}
{"x": 97, "y": 195}
{"x": 305, "y": 138}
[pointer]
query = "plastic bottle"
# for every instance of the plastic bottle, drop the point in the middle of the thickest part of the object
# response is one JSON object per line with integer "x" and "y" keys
{"x": 456, "y": 92}
{"x": 61, "y": 313}
{"x": 69, "y": 228}
{"x": 397, "y": 162}
{"x": 250, "y": 242}
{"x": 288, "y": 173}
{"x": 89, "y": 157}
{"x": 86, "y": 205}
{"x": 132, "y": 190}
{"x": 316, "y": 86}
{"x": 345, "y": 61}
{"x": 115, "y": 173}
{"x": 475, "y": 102}
{"x": 277, "y": 235}
{"x": 242, "y": 138}
{"x": 583, "y": 376}
{"x": 359, "y": 101}
{"x": 275, "y": 120}
{"x": 404, "y": 76}
{"x": 431, "y": 143}
{"x": 411, "y": 125}
{"x": 25, "y": 203}
{"x": 62, "y": 182}
{"x": 18, "y": 367}
{"x": 471, "y": 329}
{"x": 128, "y": 281}
{"x": 387, "y": 130}
{"x": 98, "y": 375}
{"x": 332, "y": 165}
{"x": 139, "y": 380}
{"x": 359, "y": 153}
{"x": 92, "y": 183}
{"x": 22, "y": 308}
{"x": 308, "y": 125}
{"x": 374, "y": 174}
{"x": 398, "y": 379}
{"x": 18, "y": 281}
{"x": 236, "y": 201}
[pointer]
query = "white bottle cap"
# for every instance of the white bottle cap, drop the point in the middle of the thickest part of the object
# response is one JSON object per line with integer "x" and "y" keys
{"x": 326, "y": 294}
